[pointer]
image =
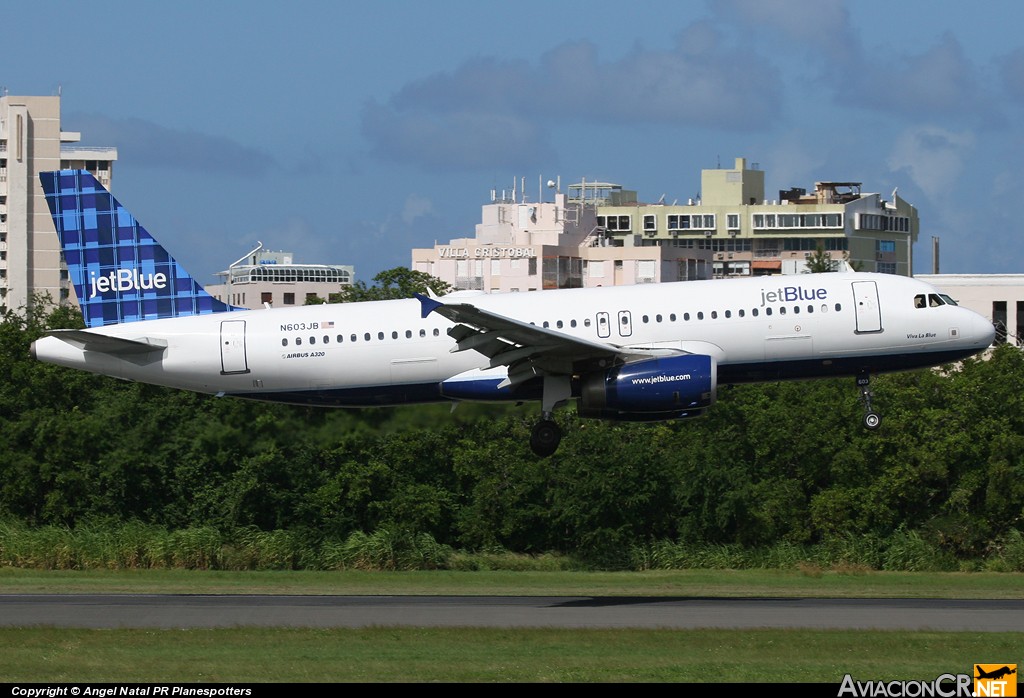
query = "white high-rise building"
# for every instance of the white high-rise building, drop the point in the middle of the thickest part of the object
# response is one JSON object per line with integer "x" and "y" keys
{"x": 31, "y": 141}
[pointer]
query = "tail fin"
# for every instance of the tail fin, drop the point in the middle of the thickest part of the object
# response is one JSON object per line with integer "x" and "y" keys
{"x": 120, "y": 273}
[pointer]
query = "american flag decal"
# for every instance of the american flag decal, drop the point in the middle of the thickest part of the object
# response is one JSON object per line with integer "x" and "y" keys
{"x": 328, "y": 325}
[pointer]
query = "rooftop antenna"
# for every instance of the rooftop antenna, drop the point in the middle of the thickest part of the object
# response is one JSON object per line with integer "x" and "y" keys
{"x": 259, "y": 246}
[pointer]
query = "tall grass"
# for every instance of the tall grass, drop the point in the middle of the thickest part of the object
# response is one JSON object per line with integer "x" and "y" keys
{"x": 141, "y": 546}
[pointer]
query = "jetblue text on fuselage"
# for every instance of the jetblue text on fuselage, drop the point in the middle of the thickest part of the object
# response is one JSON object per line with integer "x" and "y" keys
{"x": 125, "y": 280}
{"x": 792, "y": 293}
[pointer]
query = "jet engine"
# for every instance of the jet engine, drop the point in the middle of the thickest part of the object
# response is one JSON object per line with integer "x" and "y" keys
{"x": 663, "y": 388}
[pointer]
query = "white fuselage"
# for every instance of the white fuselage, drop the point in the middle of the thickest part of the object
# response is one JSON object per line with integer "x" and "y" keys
{"x": 384, "y": 352}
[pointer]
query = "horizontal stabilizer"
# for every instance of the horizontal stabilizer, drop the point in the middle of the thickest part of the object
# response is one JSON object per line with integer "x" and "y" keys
{"x": 90, "y": 341}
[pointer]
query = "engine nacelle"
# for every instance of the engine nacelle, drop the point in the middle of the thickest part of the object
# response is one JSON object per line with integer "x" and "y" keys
{"x": 656, "y": 389}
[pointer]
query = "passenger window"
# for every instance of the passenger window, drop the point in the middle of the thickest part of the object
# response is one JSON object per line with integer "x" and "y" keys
{"x": 408, "y": 334}
{"x": 572, "y": 323}
{"x": 672, "y": 317}
{"x": 327, "y": 340}
{"x": 380, "y": 335}
{"x": 838, "y": 307}
{"x": 645, "y": 319}
{"x": 586, "y": 322}
{"x": 686, "y": 317}
{"x": 700, "y": 315}
{"x": 352, "y": 338}
{"x": 782, "y": 310}
{"x": 298, "y": 341}
{"x": 437, "y": 332}
{"x": 312, "y": 340}
{"x": 767, "y": 311}
{"x": 284, "y": 342}
{"x": 558, "y": 324}
{"x": 754, "y": 312}
{"x": 367, "y": 336}
{"x": 341, "y": 338}
{"x": 714, "y": 314}
{"x": 743, "y": 313}
{"x": 728, "y": 313}
{"x": 394, "y": 334}
{"x": 796, "y": 309}
{"x": 810, "y": 308}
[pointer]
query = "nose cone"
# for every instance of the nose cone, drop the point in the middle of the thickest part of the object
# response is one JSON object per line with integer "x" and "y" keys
{"x": 981, "y": 331}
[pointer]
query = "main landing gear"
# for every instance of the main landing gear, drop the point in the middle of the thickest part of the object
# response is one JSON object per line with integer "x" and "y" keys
{"x": 546, "y": 434}
{"x": 872, "y": 420}
{"x": 545, "y": 437}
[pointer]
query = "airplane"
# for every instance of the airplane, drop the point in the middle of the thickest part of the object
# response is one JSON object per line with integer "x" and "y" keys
{"x": 649, "y": 352}
{"x": 995, "y": 673}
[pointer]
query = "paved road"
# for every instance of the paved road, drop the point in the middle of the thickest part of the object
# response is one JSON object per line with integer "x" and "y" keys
{"x": 205, "y": 611}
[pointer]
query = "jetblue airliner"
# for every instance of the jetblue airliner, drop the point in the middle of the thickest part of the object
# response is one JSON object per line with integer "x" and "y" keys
{"x": 637, "y": 353}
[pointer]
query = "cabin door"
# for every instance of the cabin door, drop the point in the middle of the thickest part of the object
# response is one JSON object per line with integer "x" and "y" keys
{"x": 865, "y": 300}
{"x": 232, "y": 347}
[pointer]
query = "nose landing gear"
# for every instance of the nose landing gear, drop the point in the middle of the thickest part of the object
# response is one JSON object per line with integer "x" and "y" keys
{"x": 872, "y": 420}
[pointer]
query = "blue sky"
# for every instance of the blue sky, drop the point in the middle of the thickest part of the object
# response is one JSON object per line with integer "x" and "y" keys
{"x": 352, "y": 132}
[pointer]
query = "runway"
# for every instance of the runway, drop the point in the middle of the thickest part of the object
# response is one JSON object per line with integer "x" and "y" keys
{"x": 208, "y": 611}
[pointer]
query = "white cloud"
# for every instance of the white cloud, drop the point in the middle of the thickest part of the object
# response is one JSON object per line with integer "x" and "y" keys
{"x": 149, "y": 144}
{"x": 490, "y": 113}
{"x": 933, "y": 157}
{"x": 416, "y": 206}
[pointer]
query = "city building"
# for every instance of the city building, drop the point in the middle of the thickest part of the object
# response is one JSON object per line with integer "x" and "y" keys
{"x": 31, "y": 141}
{"x": 601, "y": 234}
{"x": 264, "y": 277}
{"x": 999, "y": 297}
{"x": 523, "y": 245}
{"x": 748, "y": 234}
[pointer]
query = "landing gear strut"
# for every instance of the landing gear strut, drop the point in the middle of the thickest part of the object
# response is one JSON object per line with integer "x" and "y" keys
{"x": 546, "y": 434}
{"x": 872, "y": 420}
{"x": 545, "y": 437}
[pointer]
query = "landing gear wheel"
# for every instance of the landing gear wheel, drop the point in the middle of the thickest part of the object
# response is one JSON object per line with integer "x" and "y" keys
{"x": 872, "y": 420}
{"x": 545, "y": 438}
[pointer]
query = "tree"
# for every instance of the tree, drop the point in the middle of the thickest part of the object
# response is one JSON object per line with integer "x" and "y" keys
{"x": 820, "y": 261}
{"x": 389, "y": 284}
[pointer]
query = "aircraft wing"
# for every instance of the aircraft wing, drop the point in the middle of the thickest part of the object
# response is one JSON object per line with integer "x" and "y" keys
{"x": 91, "y": 341}
{"x": 526, "y": 349}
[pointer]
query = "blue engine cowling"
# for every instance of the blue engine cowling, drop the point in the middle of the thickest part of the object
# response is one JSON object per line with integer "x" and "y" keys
{"x": 672, "y": 387}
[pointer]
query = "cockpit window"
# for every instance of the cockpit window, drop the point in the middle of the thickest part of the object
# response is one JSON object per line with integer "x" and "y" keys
{"x": 932, "y": 300}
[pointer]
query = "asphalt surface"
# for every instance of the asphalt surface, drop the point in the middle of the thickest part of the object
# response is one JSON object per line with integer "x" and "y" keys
{"x": 207, "y": 611}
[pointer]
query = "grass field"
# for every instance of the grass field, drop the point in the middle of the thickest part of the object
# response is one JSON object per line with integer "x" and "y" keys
{"x": 503, "y": 655}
